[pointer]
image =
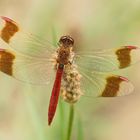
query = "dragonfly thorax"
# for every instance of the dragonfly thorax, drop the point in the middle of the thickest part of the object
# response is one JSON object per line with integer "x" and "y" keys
{"x": 65, "y": 49}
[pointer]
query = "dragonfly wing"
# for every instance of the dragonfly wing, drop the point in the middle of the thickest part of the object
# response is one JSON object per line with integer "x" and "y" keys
{"x": 104, "y": 85}
{"x": 108, "y": 60}
{"x": 24, "y": 42}
{"x": 26, "y": 69}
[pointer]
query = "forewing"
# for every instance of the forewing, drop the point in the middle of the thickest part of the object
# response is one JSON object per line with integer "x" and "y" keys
{"x": 24, "y": 42}
{"x": 108, "y": 60}
{"x": 104, "y": 85}
{"x": 26, "y": 69}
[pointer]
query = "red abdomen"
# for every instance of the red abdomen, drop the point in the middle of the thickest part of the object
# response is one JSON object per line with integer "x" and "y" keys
{"x": 55, "y": 94}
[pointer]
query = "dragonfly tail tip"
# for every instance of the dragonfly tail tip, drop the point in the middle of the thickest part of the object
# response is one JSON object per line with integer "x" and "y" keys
{"x": 49, "y": 122}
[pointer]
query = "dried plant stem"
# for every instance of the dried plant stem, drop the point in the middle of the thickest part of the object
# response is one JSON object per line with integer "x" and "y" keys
{"x": 71, "y": 118}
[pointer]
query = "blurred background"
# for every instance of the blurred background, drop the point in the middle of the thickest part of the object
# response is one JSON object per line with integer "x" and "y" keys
{"x": 94, "y": 24}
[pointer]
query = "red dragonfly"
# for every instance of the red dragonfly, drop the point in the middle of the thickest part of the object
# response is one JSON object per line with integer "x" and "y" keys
{"x": 32, "y": 60}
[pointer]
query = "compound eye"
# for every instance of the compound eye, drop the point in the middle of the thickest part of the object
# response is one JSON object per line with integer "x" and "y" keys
{"x": 69, "y": 41}
{"x": 64, "y": 40}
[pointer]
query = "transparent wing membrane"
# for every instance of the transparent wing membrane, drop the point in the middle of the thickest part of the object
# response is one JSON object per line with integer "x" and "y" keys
{"x": 27, "y": 44}
{"x": 108, "y": 60}
{"x": 104, "y": 85}
{"x": 24, "y": 42}
{"x": 95, "y": 67}
{"x": 26, "y": 69}
{"x": 32, "y": 58}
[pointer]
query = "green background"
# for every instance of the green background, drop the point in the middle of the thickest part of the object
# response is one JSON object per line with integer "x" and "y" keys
{"x": 94, "y": 24}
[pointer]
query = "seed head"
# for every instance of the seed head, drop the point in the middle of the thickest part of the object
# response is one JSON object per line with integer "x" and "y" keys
{"x": 70, "y": 90}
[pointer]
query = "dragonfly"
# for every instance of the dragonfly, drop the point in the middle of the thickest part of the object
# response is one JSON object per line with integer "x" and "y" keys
{"x": 83, "y": 73}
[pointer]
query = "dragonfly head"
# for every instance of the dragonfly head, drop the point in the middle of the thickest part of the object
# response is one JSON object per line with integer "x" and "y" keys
{"x": 66, "y": 41}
